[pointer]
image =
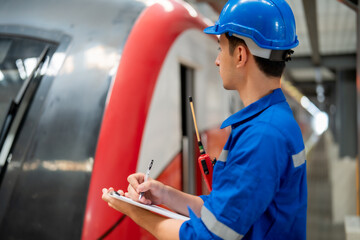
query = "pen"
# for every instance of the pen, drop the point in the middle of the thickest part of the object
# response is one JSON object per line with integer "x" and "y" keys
{"x": 146, "y": 177}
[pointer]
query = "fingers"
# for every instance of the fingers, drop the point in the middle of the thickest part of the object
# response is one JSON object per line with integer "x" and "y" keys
{"x": 106, "y": 197}
{"x": 132, "y": 193}
{"x": 136, "y": 179}
{"x": 135, "y": 187}
{"x": 115, "y": 203}
{"x": 145, "y": 200}
{"x": 153, "y": 192}
{"x": 145, "y": 186}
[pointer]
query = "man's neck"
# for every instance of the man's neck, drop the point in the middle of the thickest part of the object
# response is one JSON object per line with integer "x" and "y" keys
{"x": 256, "y": 86}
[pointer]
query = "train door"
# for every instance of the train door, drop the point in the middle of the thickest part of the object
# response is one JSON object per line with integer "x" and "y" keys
{"x": 188, "y": 140}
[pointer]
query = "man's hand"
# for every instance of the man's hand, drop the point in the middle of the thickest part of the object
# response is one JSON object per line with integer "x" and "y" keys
{"x": 155, "y": 193}
{"x": 159, "y": 226}
{"x": 117, "y": 204}
{"x": 154, "y": 190}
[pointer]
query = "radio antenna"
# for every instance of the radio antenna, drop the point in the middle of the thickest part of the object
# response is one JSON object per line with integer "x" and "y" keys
{"x": 201, "y": 148}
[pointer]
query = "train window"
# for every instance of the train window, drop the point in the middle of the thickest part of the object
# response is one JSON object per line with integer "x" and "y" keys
{"x": 23, "y": 62}
{"x": 18, "y": 58}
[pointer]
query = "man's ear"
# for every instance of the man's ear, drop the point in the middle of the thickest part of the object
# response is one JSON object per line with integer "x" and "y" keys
{"x": 241, "y": 55}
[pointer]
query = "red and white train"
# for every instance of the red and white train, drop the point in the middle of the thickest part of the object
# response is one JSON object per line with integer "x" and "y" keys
{"x": 90, "y": 92}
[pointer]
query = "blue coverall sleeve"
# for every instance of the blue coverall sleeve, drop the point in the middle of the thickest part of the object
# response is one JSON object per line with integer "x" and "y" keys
{"x": 194, "y": 229}
{"x": 243, "y": 186}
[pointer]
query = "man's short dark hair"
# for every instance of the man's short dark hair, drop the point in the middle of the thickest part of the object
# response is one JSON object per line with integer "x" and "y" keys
{"x": 270, "y": 68}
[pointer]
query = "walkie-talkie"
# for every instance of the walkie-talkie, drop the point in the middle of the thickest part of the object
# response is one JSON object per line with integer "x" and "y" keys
{"x": 205, "y": 163}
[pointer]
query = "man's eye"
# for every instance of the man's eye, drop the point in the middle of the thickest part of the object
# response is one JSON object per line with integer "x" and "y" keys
{"x": 219, "y": 49}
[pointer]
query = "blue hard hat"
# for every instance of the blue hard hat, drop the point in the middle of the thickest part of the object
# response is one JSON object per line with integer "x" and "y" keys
{"x": 269, "y": 23}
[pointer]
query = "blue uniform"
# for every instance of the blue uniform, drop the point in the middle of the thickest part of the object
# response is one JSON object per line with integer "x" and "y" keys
{"x": 259, "y": 181}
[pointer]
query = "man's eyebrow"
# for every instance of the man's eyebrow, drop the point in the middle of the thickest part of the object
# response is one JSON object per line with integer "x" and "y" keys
{"x": 219, "y": 41}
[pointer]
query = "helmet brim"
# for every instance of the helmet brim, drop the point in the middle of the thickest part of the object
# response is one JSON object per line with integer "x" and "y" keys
{"x": 211, "y": 30}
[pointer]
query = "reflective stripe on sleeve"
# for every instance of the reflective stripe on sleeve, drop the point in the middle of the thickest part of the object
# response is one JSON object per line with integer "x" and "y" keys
{"x": 216, "y": 227}
{"x": 299, "y": 158}
{"x": 223, "y": 156}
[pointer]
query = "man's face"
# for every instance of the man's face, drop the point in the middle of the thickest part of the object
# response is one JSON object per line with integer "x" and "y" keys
{"x": 226, "y": 64}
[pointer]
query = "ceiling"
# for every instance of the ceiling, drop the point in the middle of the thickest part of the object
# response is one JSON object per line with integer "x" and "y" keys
{"x": 326, "y": 31}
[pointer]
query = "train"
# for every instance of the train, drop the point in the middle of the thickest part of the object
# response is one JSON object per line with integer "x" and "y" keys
{"x": 92, "y": 91}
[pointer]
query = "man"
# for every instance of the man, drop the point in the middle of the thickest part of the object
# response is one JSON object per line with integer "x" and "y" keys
{"x": 259, "y": 182}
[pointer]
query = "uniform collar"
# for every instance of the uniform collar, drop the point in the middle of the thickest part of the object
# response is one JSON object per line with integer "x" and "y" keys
{"x": 273, "y": 98}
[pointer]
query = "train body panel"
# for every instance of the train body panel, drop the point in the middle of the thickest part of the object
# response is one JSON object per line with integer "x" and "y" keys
{"x": 163, "y": 132}
{"x": 124, "y": 121}
{"x": 44, "y": 186}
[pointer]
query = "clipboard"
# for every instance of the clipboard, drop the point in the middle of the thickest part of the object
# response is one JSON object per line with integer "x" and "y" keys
{"x": 152, "y": 208}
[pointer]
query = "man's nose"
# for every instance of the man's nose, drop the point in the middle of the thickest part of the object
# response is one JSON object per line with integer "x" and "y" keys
{"x": 217, "y": 61}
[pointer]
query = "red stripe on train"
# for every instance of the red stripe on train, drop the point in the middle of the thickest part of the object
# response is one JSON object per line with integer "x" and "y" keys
{"x": 124, "y": 119}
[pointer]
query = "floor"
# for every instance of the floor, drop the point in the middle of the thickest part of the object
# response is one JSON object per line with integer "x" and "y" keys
{"x": 319, "y": 223}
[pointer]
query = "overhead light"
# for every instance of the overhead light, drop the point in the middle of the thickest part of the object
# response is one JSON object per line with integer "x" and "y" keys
{"x": 2, "y": 77}
{"x": 320, "y": 122}
{"x": 20, "y": 65}
{"x": 30, "y": 64}
{"x": 309, "y": 106}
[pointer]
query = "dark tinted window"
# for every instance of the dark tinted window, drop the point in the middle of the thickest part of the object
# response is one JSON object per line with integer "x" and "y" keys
{"x": 18, "y": 58}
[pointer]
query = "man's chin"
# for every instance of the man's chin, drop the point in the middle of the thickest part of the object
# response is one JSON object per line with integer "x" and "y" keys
{"x": 227, "y": 87}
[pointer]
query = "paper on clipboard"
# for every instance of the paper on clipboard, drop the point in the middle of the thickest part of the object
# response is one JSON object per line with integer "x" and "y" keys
{"x": 152, "y": 208}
